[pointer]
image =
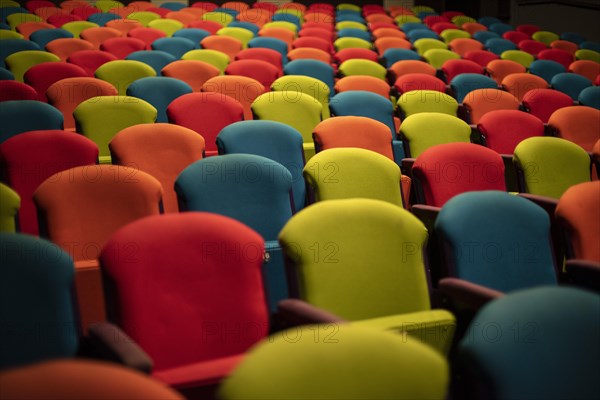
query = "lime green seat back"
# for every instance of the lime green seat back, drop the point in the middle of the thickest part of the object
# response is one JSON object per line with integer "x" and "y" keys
{"x": 101, "y": 118}
{"x": 242, "y": 34}
{"x": 418, "y": 101}
{"x": 166, "y": 25}
{"x": 351, "y": 43}
{"x": 545, "y": 37}
{"x": 76, "y": 27}
{"x": 9, "y": 206}
{"x": 21, "y": 61}
{"x": 216, "y": 16}
{"x": 358, "y": 66}
{"x": 437, "y": 57}
{"x": 305, "y": 85}
{"x": 122, "y": 73}
{"x": 373, "y": 267}
{"x": 338, "y": 362}
{"x": 551, "y": 165}
{"x": 422, "y": 45}
{"x": 143, "y": 17}
{"x": 518, "y": 56}
{"x": 213, "y": 57}
{"x": 343, "y": 173}
{"x": 427, "y": 129}
{"x": 303, "y": 114}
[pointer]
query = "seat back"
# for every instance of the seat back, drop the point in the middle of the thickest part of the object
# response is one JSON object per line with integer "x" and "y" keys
{"x": 500, "y": 69}
{"x": 418, "y": 101}
{"x": 481, "y": 101}
{"x": 206, "y": 113}
{"x": 546, "y": 69}
{"x": 578, "y": 213}
{"x": 462, "y": 85}
{"x": 161, "y": 150}
{"x": 121, "y": 47}
{"x": 364, "y": 104}
{"x": 560, "y": 321}
{"x": 220, "y": 259}
{"x": 304, "y": 85}
{"x": 362, "y": 67}
{"x": 36, "y": 280}
{"x": 13, "y": 90}
{"x": 570, "y": 83}
{"x": 159, "y": 92}
{"x": 549, "y": 166}
{"x": 342, "y": 173}
{"x": 383, "y": 271}
{"x": 447, "y": 170}
{"x": 42, "y": 76}
{"x": 497, "y": 240}
{"x": 20, "y": 116}
{"x": 323, "y": 371}
{"x": 102, "y": 198}
{"x": 578, "y": 124}
{"x": 90, "y": 60}
{"x": 192, "y": 72}
{"x": 100, "y": 118}
{"x": 155, "y": 58}
{"x": 122, "y": 73}
{"x": 365, "y": 83}
{"x": 21, "y": 61}
{"x": 544, "y": 102}
{"x": 9, "y": 207}
{"x": 263, "y": 71}
{"x": 313, "y": 68}
{"x": 424, "y": 130}
{"x": 28, "y": 159}
{"x": 274, "y": 140}
{"x": 503, "y": 130}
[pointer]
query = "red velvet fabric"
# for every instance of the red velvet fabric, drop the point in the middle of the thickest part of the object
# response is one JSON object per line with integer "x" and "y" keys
{"x": 42, "y": 76}
{"x": 188, "y": 289}
{"x": 14, "y": 90}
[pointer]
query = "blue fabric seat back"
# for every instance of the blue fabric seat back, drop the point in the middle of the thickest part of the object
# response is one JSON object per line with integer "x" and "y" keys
{"x": 159, "y": 91}
{"x": 19, "y": 116}
{"x": 462, "y": 84}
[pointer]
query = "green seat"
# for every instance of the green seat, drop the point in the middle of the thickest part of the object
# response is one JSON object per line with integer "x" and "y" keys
{"x": 405, "y": 19}
{"x": 76, "y": 27}
{"x": 18, "y": 18}
{"x": 9, "y": 206}
{"x": 422, "y": 45}
{"x": 437, "y": 57}
{"x": 213, "y": 57}
{"x": 344, "y": 173}
{"x": 587, "y": 54}
{"x": 306, "y": 85}
{"x": 426, "y": 129}
{"x": 338, "y": 362}
{"x": 418, "y": 101}
{"x": 303, "y": 113}
{"x": 450, "y": 34}
{"x": 107, "y": 5}
{"x": 518, "y": 56}
{"x": 358, "y": 66}
{"x": 101, "y": 118}
{"x": 350, "y": 25}
{"x": 361, "y": 260}
{"x": 545, "y": 37}
{"x": 166, "y": 25}
{"x": 18, "y": 63}
{"x": 537, "y": 343}
{"x": 351, "y": 43}
{"x": 459, "y": 20}
{"x": 143, "y": 17}
{"x": 220, "y": 17}
{"x": 548, "y": 166}
{"x": 348, "y": 6}
{"x": 282, "y": 24}
{"x": 241, "y": 34}
{"x": 122, "y": 73}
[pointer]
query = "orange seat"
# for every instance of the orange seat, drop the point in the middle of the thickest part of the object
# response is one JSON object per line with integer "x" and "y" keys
{"x": 81, "y": 208}
{"x": 481, "y": 101}
{"x": 192, "y": 72}
{"x": 363, "y": 82}
{"x": 578, "y": 124}
{"x": 225, "y": 44}
{"x": 500, "y": 69}
{"x": 589, "y": 69}
{"x": 386, "y": 42}
{"x": 98, "y": 35}
{"x": 161, "y": 150}
{"x": 520, "y": 83}
{"x": 241, "y": 88}
{"x": 403, "y": 67}
{"x": 578, "y": 213}
{"x": 64, "y": 47}
{"x": 283, "y": 34}
{"x": 310, "y": 53}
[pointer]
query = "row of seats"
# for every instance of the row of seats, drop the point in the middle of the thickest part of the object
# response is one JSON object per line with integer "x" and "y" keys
{"x": 454, "y": 244}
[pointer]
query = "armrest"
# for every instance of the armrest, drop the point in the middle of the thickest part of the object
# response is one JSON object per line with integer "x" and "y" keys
{"x": 297, "y": 312}
{"x": 406, "y": 166}
{"x": 466, "y": 293}
{"x": 426, "y": 214}
{"x": 584, "y": 273}
{"x": 108, "y": 342}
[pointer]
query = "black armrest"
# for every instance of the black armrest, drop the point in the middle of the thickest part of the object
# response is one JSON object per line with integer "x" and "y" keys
{"x": 467, "y": 294}
{"x": 547, "y": 203}
{"x": 108, "y": 342}
{"x": 427, "y": 214}
{"x": 297, "y": 312}
{"x": 584, "y": 273}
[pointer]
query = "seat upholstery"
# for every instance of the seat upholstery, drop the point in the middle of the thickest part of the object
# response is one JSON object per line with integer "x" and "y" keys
{"x": 578, "y": 124}
{"x": 20, "y": 116}
{"x": 9, "y": 207}
{"x": 424, "y": 130}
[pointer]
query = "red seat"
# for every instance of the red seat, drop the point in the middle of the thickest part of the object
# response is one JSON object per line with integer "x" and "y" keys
{"x": 13, "y": 90}
{"x": 90, "y": 60}
{"x": 543, "y": 102}
{"x": 264, "y": 72}
{"x": 503, "y": 130}
{"x": 452, "y": 68}
{"x": 42, "y": 76}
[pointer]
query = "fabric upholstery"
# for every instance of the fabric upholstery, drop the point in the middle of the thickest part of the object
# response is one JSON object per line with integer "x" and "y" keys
{"x": 426, "y": 129}
{"x": 159, "y": 91}
{"x": 20, "y": 116}
{"x": 428, "y": 100}
{"x": 481, "y": 101}
{"x": 543, "y": 102}
{"x": 578, "y": 124}
{"x": 122, "y": 73}
{"x": 503, "y": 130}
{"x": 10, "y": 203}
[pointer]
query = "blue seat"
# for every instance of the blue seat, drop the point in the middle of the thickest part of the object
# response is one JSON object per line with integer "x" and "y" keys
{"x": 6, "y": 11}
{"x": 44, "y": 36}
{"x": 6, "y": 75}
{"x": 546, "y": 69}
{"x": 194, "y": 34}
{"x": 371, "y": 105}
{"x": 589, "y": 45}
{"x": 489, "y": 21}
{"x": 159, "y": 91}
{"x": 572, "y": 37}
{"x": 538, "y": 343}
{"x": 391, "y": 56}
{"x": 226, "y": 10}
{"x": 251, "y": 189}
{"x": 501, "y": 28}
{"x": 271, "y": 43}
{"x": 19, "y": 116}
{"x": 313, "y": 68}
{"x": 570, "y": 83}
{"x": 38, "y": 313}
{"x": 353, "y": 32}
{"x": 409, "y": 26}
{"x": 174, "y": 6}
{"x": 590, "y": 97}
{"x": 11, "y": 46}
{"x": 496, "y": 240}
{"x": 102, "y": 18}
{"x": 155, "y": 58}
{"x": 271, "y": 139}
{"x": 484, "y": 36}
{"x": 499, "y": 45}
{"x": 291, "y": 18}
{"x": 417, "y": 34}
{"x": 353, "y": 17}
{"x": 176, "y": 46}
{"x": 461, "y": 85}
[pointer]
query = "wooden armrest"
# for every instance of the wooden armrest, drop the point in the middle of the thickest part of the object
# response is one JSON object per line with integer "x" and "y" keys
{"x": 297, "y": 312}
{"x": 466, "y": 293}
